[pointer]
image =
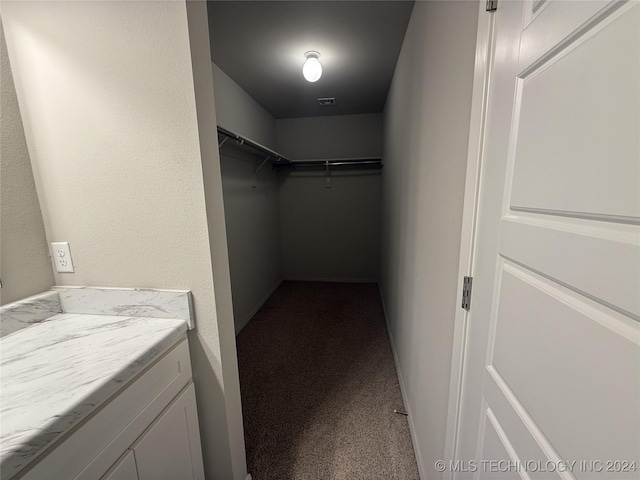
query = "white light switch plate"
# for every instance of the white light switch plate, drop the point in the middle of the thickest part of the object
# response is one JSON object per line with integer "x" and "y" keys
{"x": 62, "y": 257}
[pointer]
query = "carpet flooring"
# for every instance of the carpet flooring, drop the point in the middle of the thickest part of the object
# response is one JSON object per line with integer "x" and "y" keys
{"x": 319, "y": 387}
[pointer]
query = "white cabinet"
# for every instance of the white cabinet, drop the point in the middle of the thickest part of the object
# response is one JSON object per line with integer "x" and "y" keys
{"x": 170, "y": 448}
{"x": 124, "y": 469}
{"x": 148, "y": 431}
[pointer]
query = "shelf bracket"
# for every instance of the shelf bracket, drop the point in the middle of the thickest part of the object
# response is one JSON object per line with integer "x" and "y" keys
{"x": 327, "y": 179}
{"x": 253, "y": 179}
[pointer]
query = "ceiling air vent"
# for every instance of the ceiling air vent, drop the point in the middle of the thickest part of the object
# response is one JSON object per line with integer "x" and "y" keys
{"x": 327, "y": 101}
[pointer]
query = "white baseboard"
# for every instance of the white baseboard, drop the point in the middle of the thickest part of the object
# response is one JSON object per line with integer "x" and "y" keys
{"x": 258, "y": 306}
{"x": 332, "y": 280}
{"x": 422, "y": 469}
{"x": 248, "y": 476}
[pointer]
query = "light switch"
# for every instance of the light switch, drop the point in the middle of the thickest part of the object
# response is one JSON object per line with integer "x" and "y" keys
{"x": 62, "y": 257}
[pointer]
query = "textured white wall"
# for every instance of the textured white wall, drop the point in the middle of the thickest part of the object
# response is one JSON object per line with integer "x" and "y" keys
{"x": 109, "y": 109}
{"x": 425, "y": 148}
{"x": 330, "y": 233}
{"x": 238, "y": 112}
{"x": 25, "y": 263}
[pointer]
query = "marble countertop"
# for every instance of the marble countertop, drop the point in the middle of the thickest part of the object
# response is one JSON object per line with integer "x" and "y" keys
{"x": 56, "y": 372}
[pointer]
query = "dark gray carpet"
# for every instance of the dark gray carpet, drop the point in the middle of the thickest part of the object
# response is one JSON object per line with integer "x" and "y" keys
{"x": 319, "y": 387}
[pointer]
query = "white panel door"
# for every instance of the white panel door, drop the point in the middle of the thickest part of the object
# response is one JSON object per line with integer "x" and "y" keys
{"x": 170, "y": 448}
{"x": 551, "y": 383}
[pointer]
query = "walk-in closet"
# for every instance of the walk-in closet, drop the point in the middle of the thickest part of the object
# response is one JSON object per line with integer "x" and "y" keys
{"x": 302, "y": 174}
{"x": 324, "y": 183}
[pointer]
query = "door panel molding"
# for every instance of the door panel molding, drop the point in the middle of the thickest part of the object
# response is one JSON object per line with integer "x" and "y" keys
{"x": 499, "y": 394}
{"x": 545, "y": 250}
{"x": 598, "y": 217}
{"x": 551, "y": 149}
{"x": 504, "y": 441}
{"x": 558, "y": 25}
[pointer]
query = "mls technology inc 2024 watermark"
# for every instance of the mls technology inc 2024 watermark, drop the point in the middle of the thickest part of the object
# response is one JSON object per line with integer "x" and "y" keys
{"x": 540, "y": 466}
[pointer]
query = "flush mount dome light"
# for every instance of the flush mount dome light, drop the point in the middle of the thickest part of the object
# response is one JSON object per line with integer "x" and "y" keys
{"x": 312, "y": 70}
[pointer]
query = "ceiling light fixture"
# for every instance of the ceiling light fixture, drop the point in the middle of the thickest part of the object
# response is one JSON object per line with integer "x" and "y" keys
{"x": 312, "y": 69}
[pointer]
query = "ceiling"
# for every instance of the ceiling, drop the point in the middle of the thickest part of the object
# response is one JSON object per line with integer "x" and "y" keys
{"x": 261, "y": 46}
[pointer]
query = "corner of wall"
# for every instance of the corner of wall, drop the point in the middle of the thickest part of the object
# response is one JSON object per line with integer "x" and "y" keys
{"x": 25, "y": 263}
{"x": 213, "y": 197}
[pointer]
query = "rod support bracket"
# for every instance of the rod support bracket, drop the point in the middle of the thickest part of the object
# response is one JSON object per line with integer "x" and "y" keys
{"x": 255, "y": 172}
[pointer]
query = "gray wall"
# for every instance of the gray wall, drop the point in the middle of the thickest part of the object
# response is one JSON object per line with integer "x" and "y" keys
{"x": 25, "y": 263}
{"x": 118, "y": 164}
{"x": 426, "y": 122}
{"x": 253, "y": 231}
{"x": 332, "y": 233}
{"x": 238, "y": 112}
{"x": 251, "y": 206}
{"x": 329, "y": 137}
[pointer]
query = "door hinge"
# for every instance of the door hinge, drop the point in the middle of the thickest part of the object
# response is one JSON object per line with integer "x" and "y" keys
{"x": 466, "y": 292}
{"x": 492, "y": 5}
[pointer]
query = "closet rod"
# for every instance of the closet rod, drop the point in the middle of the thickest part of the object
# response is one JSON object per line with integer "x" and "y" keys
{"x": 277, "y": 159}
{"x": 339, "y": 162}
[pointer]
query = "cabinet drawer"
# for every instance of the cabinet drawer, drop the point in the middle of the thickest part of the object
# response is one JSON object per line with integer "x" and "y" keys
{"x": 95, "y": 445}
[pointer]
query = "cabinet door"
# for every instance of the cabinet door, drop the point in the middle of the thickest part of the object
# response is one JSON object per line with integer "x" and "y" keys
{"x": 124, "y": 469}
{"x": 170, "y": 447}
